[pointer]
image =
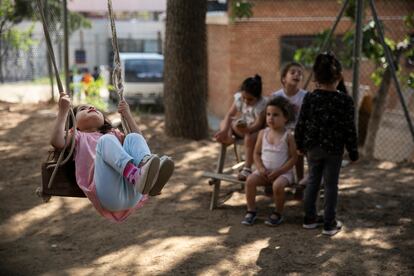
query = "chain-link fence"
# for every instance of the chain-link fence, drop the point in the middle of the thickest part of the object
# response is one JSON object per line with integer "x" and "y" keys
{"x": 88, "y": 47}
{"x": 282, "y": 31}
{"x": 277, "y": 32}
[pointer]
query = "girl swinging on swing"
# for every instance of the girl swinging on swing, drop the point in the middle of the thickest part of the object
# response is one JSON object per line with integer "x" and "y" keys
{"x": 116, "y": 172}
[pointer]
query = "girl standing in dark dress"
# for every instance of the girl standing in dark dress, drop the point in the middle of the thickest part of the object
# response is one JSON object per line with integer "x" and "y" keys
{"x": 325, "y": 128}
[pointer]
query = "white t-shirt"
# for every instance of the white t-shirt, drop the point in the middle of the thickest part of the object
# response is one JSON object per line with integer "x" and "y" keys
{"x": 296, "y": 100}
{"x": 249, "y": 113}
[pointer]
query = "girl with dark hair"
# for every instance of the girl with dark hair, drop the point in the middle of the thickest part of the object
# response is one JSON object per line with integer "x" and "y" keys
{"x": 274, "y": 156}
{"x": 116, "y": 172}
{"x": 291, "y": 79}
{"x": 325, "y": 127}
{"x": 244, "y": 119}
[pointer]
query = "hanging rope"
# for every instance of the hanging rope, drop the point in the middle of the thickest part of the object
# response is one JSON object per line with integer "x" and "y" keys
{"x": 60, "y": 160}
{"x": 117, "y": 71}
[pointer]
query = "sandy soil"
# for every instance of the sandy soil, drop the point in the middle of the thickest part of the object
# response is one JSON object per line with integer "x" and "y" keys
{"x": 176, "y": 234}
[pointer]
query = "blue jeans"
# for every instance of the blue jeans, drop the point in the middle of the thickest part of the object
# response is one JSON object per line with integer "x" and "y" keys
{"x": 113, "y": 191}
{"x": 328, "y": 166}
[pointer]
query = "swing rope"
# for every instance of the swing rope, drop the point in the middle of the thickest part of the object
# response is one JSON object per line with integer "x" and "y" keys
{"x": 60, "y": 160}
{"x": 117, "y": 71}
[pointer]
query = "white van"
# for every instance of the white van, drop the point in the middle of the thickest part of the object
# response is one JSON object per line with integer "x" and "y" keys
{"x": 143, "y": 77}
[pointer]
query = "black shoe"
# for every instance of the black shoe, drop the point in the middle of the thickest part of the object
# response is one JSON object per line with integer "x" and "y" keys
{"x": 332, "y": 229}
{"x": 249, "y": 218}
{"x": 274, "y": 219}
{"x": 312, "y": 223}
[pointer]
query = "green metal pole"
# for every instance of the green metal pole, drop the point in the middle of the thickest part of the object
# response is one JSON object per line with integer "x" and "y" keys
{"x": 326, "y": 43}
{"x": 359, "y": 11}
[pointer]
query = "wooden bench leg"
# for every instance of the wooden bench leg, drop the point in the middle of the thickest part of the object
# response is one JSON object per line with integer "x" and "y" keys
{"x": 236, "y": 152}
{"x": 216, "y": 189}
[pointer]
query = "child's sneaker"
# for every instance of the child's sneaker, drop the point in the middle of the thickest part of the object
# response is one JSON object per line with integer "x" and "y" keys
{"x": 332, "y": 229}
{"x": 244, "y": 173}
{"x": 274, "y": 219}
{"x": 312, "y": 223}
{"x": 144, "y": 176}
{"x": 249, "y": 218}
{"x": 165, "y": 172}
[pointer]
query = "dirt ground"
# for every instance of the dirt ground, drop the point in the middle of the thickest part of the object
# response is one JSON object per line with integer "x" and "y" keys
{"x": 176, "y": 234}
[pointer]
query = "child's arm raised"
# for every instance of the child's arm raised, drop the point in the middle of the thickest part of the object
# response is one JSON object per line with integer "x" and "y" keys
{"x": 293, "y": 157}
{"x": 124, "y": 110}
{"x": 58, "y": 133}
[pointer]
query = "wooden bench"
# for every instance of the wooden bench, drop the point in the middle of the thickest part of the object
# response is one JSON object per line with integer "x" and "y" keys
{"x": 222, "y": 174}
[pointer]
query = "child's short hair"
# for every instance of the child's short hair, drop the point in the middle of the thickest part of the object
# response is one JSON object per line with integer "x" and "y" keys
{"x": 286, "y": 68}
{"x": 327, "y": 69}
{"x": 253, "y": 86}
{"x": 284, "y": 105}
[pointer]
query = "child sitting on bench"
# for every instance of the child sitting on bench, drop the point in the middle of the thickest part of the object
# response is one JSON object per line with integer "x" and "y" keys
{"x": 244, "y": 119}
{"x": 274, "y": 157}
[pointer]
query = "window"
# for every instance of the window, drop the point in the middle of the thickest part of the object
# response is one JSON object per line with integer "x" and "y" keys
{"x": 144, "y": 70}
{"x": 80, "y": 56}
{"x": 290, "y": 44}
{"x": 129, "y": 45}
{"x": 216, "y": 5}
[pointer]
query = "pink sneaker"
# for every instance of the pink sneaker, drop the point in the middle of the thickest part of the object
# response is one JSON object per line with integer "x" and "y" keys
{"x": 146, "y": 174}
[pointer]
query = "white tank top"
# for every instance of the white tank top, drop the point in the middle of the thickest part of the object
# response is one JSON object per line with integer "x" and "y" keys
{"x": 274, "y": 156}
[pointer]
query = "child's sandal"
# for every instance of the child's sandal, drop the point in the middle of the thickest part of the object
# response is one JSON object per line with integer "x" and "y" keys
{"x": 244, "y": 173}
{"x": 249, "y": 218}
{"x": 274, "y": 219}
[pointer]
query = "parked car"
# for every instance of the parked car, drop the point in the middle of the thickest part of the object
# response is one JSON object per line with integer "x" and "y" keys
{"x": 143, "y": 78}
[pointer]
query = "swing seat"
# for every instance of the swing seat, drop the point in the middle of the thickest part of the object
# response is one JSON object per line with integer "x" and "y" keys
{"x": 64, "y": 183}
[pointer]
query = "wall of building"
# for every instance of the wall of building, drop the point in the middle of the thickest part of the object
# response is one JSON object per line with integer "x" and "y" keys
{"x": 245, "y": 47}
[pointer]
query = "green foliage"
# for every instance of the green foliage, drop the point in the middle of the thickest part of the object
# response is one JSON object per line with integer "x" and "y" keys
{"x": 91, "y": 91}
{"x": 307, "y": 55}
{"x": 409, "y": 20}
{"x": 350, "y": 9}
{"x": 241, "y": 9}
{"x": 410, "y": 80}
{"x": 376, "y": 76}
{"x": 13, "y": 12}
{"x": 19, "y": 40}
{"x": 77, "y": 21}
{"x": 371, "y": 49}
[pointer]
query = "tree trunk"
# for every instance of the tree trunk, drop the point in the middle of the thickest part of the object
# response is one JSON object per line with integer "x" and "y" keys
{"x": 185, "y": 82}
{"x": 1, "y": 51}
{"x": 375, "y": 120}
{"x": 1, "y": 62}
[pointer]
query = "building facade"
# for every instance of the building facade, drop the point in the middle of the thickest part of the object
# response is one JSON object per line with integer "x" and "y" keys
{"x": 263, "y": 43}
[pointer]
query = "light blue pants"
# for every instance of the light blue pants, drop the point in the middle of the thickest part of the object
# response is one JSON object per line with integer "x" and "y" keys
{"x": 113, "y": 191}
